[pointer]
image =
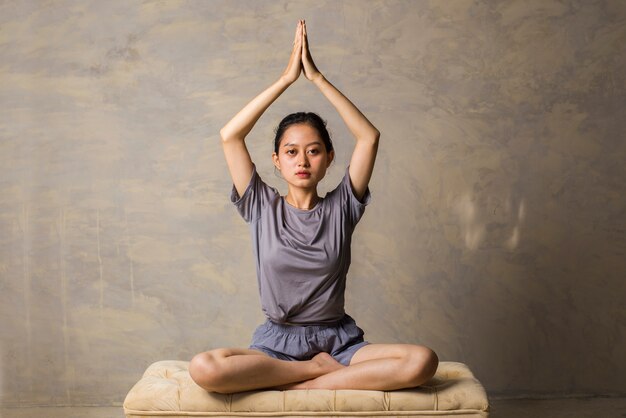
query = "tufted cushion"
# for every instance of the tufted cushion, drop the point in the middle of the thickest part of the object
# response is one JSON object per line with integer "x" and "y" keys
{"x": 166, "y": 390}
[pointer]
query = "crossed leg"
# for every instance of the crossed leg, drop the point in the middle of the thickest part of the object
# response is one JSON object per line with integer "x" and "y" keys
{"x": 379, "y": 367}
{"x": 229, "y": 370}
{"x": 372, "y": 367}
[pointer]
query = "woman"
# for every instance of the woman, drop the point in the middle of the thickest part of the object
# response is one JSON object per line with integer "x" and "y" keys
{"x": 302, "y": 247}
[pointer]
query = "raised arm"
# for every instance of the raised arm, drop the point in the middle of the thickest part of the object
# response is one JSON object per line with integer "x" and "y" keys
{"x": 233, "y": 134}
{"x": 366, "y": 135}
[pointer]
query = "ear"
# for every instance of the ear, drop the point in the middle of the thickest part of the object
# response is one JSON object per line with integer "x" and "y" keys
{"x": 276, "y": 161}
{"x": 331, "y": 157}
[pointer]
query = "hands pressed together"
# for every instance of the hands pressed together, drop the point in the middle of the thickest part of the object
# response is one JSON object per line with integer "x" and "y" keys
{"x": 234, "y": 133}
{"x": 300, "y": 59}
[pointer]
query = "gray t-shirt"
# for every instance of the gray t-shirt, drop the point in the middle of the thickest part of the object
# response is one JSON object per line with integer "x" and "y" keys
{"x": 302, "y": 256}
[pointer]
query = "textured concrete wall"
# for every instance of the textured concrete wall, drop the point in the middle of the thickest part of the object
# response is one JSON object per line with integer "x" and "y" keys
{"x": 497, "y": 229}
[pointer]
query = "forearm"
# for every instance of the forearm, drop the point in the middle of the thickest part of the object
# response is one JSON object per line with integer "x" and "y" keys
{"x": 243, "y": 122}
{"x": 357, "y": 123}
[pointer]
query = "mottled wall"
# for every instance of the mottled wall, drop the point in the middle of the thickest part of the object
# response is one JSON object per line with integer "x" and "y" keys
{"x": 497, "y": 229}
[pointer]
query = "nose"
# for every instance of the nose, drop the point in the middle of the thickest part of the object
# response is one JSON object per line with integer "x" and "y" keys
{"x": 303, "y": 162}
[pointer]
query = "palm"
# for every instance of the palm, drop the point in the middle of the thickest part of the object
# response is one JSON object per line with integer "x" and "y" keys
{"x": 310, "y": 70}
{"x": 292, "y": 72}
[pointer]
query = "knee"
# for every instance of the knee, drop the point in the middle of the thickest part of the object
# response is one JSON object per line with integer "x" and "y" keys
{"x": 206, "y": 369}
{"x": 423, "y": 363}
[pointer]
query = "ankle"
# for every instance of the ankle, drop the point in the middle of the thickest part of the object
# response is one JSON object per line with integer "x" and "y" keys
{"x": 326, "y": 364}
{"x": 314, "y": 368}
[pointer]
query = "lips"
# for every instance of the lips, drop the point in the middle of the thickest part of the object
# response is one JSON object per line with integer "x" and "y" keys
{"x": 303, "y": 174}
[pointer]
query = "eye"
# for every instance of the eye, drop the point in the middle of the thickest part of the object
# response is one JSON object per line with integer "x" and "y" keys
{"x": 314, "y": 151}
{"x": 290, "y": 151}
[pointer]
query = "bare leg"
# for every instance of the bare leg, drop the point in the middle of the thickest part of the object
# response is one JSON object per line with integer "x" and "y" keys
{"x": 402, "y": 366}
{"x": 228, "y": 370}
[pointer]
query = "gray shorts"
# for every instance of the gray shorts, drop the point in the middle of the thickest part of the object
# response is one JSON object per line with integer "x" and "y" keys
{"x": 302, "y": 342}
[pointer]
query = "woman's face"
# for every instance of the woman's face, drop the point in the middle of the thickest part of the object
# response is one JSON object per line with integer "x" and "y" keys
{"x": 302, "y": 158}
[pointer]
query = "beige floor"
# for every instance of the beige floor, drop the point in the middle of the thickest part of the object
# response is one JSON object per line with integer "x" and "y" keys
{"x": 500, "y": 408}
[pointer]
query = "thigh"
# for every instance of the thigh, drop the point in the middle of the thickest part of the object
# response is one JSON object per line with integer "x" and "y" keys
{"x": 232, "y": 351}
{"x": 243, "y": 351}
{"x": 378, "y": 351}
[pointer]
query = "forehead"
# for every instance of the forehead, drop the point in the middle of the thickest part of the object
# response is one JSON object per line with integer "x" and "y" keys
{"x": 300, "y": 133}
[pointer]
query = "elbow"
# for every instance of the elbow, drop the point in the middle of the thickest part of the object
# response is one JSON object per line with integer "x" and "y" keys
{"x": 224, "y": 134}
{"x": 228, "y": 136}
{"x": 371, "y": 137}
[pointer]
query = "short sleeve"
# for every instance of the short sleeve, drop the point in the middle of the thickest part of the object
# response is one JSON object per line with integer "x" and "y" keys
{"x": 347, "y": 199}
{"x": 257, "y": 195}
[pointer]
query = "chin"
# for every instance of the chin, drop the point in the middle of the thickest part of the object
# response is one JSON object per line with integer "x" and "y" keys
{"x": 306, "y": 182}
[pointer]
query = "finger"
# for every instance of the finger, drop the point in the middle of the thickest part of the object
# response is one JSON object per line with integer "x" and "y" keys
{"x": 298, "y": 32}
{"x": 305, "y": 41}
{"x": 305, "y": 50}
{"x": 297, "y": 49}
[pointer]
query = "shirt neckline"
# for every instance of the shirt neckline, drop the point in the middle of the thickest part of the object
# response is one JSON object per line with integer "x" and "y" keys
{"x": 295, "y": 209}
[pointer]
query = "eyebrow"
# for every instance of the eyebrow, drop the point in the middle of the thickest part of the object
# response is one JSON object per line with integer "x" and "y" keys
{"x": 312, "y": 143}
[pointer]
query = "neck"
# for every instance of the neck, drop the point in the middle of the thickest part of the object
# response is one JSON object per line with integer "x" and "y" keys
{"x": 303, "y": 200}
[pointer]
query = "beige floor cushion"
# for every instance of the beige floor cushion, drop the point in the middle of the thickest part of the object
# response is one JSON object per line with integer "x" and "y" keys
{"x": 166, "y": 390}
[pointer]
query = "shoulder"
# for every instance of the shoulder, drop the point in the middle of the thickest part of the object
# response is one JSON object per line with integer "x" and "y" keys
{"x": 260, "y": 182}
{"x": 345, "y": 194}
{"x": 257, "y": 196}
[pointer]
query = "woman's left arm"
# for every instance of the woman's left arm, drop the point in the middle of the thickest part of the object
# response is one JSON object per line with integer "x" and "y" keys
{"x": 366, "y": 134}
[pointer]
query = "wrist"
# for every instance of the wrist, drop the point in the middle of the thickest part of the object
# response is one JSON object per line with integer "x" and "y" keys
{"x": 318, "y": 80}
{"x": 284, "y": 81}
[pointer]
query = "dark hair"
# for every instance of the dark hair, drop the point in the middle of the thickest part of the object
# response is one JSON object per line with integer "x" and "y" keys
{"x": 311, "y": 119}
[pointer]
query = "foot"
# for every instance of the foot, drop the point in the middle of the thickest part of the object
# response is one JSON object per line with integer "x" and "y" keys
{"x": 327, "y": 363}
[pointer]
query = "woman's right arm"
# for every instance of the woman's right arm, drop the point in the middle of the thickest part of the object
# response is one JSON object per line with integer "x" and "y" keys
{"x": 234, "y": 132}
